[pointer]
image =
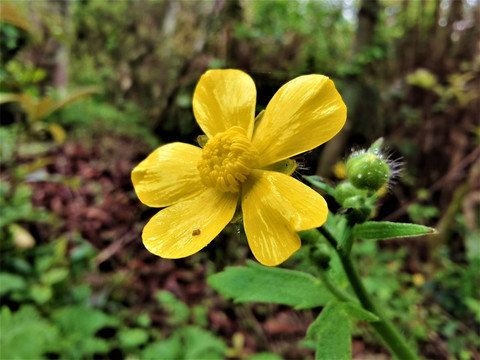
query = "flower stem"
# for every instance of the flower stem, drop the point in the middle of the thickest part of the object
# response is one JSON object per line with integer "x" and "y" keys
{"x": 384, "y": 328}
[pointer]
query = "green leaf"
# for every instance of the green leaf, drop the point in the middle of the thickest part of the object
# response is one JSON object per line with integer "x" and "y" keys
{"x": 356, "y": 312}
{"x": 178, "y": 311}
{"x": 81, "y": 320}
{"x": 189, "y": 342}
{"x": 331, "y": 332}
{"x": 24, "y": 334}
{"x": 78, "y": 325}
{"x": 41, "y": 293}
{"x": 201, "y": 344}
{"x": 257, "y": 283}
{"x": 11, "y": 282}
{"x": 132, "y": 338}
{"x": 318, "y": 182}
{"x": 55, "y": 275}
{"x": 169, "y": 349}
{"x": 380, "y": 230}
{"x": 474, "y": 306}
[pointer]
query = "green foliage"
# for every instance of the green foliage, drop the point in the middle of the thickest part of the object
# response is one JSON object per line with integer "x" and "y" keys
{"x": 177, "y": 310}
{"x": 25, "y": 334}
{"x": 318, "y": 53}
{"x": 257, "y": 283}
{"x": 380, "y": 230}
{"x": 264, "y": 356}
{"x": 132, "y": 338}
{"x": 21, "y": 75}
{"x": 421, "y": 213}
{"x": 78, "y": 325}
{"x": 60, "y": 320}
{"x": 331, "y": 333}
{"x": 190, "y": 342}
{"x": 447, "y": 293}
{"x": 104, "y": 117}
{"x": 15, "y": 206}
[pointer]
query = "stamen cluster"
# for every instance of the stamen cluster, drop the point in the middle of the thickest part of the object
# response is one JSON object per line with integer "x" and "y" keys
{"x": 227, "y": 159}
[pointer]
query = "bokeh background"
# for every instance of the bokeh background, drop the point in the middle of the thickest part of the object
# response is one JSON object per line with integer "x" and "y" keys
{"x": 88, "y": 88}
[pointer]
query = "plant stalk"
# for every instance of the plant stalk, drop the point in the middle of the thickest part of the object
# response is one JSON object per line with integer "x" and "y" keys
{"x": 384, "y": 328}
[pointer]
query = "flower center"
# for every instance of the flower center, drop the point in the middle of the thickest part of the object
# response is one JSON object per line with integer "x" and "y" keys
{"x": 227, "y": 159}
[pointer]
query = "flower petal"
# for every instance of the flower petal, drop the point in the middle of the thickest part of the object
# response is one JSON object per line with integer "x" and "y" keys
{"x": 303, "y": 114}
{"x": 188, "y": 226}
{"x": 168, "y": 175}
{"x": 275, "y": 206}
{"x": 225, "y": 98}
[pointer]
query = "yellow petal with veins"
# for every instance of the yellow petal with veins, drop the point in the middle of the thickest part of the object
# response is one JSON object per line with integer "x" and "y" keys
{"x": 223, "y": 99}
{"x": 188, "y": 226}
{"x": 303, "y": 114}
{"x": 168, "y": 175}
{"x": 275, "y": 206}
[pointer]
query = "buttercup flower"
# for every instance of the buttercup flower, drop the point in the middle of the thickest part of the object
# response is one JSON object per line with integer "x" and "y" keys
{"x": 201, "y": 188}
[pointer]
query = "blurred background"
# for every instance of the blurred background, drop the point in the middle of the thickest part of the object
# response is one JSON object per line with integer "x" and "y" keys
{"x": 88, "y": 88}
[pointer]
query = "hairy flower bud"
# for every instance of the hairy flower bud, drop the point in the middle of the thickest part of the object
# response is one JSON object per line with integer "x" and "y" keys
{"x": 368, "y": 171}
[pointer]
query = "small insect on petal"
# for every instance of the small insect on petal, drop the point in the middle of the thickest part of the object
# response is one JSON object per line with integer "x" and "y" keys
{"x": 196, "y": 232}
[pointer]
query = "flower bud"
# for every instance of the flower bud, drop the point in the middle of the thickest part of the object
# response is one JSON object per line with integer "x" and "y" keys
{"x": 360, "y": 209}
{"x": 368, "y": 171}
{"x": 346, "y": 190}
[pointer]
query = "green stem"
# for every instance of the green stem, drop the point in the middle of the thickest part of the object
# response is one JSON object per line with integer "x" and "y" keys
{"x": 384, "y": 328}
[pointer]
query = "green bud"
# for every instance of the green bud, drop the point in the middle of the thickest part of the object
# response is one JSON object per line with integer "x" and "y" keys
{"x": 346, "y": 190}
{"x": 368, "y": 171}
{"x": 361, "y": 209}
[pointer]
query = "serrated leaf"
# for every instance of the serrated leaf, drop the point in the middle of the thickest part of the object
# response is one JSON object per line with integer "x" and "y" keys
{"x": 381, "y": 230}
{"x": 331, "y": 333}
{"x": 257, "y": 283}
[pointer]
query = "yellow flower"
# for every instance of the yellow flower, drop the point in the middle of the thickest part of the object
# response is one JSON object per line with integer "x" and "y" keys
{"x": 201, "y": 188}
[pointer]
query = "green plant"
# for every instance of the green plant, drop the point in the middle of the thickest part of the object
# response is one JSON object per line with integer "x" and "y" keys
{"x": 38, "y": 109}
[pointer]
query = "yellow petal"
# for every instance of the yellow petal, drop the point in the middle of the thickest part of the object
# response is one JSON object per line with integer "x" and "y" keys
{"x": 303, "y": 114}
{"x": 225, "y": 98}
{"x": 275, "y": 206}
{"x": 188, "y": 226}
{"x": 168, "y": 175}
